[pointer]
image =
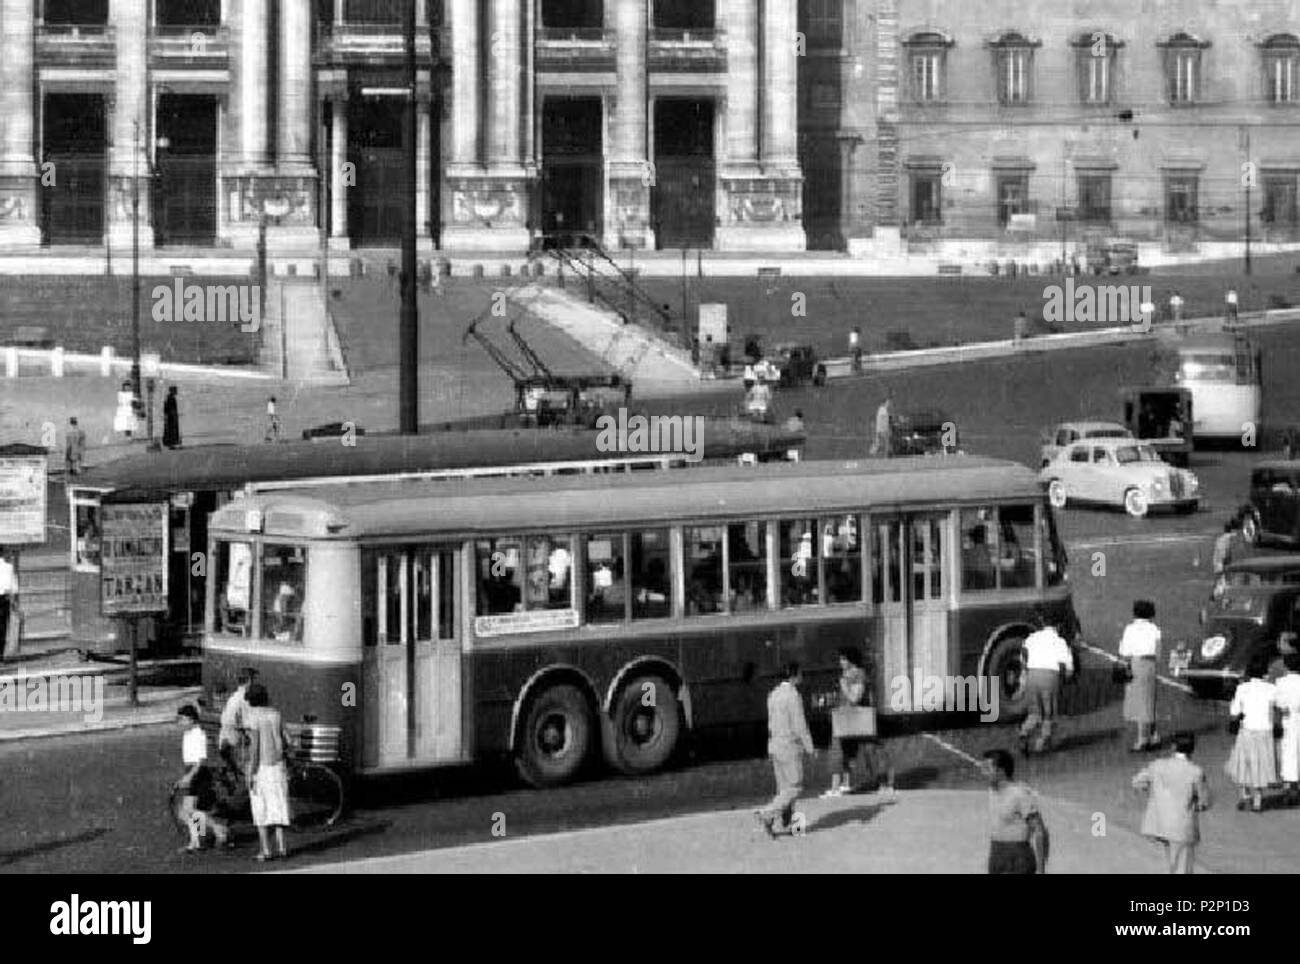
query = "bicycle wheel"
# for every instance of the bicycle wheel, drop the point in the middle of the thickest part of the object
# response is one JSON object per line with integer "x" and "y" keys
{"x": 315, "y": 796}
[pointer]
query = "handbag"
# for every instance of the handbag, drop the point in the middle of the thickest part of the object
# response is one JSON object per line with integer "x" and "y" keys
{"x": 1234, "y": 725}
{"x": 853, "y": 721}
{"x": 1121, "y": 673}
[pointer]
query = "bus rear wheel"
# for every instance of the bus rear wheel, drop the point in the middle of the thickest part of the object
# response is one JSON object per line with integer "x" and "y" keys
{"x": 644, "y": 725}
{"x": 1006, "y": 669}
{"x": 556, "y": 737}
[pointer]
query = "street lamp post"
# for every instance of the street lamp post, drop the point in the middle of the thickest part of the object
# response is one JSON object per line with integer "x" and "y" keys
{"x": 135, "y": 271}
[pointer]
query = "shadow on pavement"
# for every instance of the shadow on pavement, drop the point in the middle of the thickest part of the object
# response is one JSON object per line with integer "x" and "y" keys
{"x": 855, "y": 815}
{"x": 328, "y": 840}
{"x": 10, "y": 856}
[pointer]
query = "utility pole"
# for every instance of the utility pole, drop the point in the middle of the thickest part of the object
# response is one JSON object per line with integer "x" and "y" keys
{"x": 1250, "y": 176}
{"x": 408, "y": 344}
{"x": 135, "y": 271}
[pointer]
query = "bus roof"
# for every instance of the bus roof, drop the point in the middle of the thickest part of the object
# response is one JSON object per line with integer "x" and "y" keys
{"x": 224, "y": 468}
{"x": 525, "y": 504}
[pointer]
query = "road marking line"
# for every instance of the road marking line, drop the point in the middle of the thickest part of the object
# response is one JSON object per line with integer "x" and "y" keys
{"x": 952, "y": 749}
{"x": 1118, "y": 659}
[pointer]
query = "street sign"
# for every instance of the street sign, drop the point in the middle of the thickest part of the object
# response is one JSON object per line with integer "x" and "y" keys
{"x": 22, "y": 500}
{"x": 133, "y": 574}
{"x": 713, "y": 324}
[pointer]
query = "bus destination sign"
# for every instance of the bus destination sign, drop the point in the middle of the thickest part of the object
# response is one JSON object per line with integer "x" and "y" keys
{"x": 534, "y": 621}
{"x": 134, "y": 561}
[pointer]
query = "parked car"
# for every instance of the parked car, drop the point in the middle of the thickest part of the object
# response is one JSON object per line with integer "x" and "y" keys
{"x": 1257, "y": 611}
{"x": 1161, "y": 417}
{"x": 1273, "y": 513}
{"x": 1117, "y": 471}
{"x": 799, "y": 365}
{"x": 1067, "y": 433}
{"x": 923, "y": 433}
{"x": 1112, "y": 257}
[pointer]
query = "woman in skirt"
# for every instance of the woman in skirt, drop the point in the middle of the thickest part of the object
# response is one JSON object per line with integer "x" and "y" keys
{"x": 1252, "y": 764}
{"x": 268, "y": 781}
{"x": 1140, "y": 645}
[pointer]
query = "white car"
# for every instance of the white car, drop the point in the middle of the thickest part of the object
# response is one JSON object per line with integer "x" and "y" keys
{"x": 1116, "y": 471}
{"x": 763, "y": 372}
{"x": 1067, "y": 433}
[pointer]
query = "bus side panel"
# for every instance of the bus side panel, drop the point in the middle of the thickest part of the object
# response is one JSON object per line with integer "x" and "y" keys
{"x": 730, "y": 670}
{"x": 973, "y": 624}
{"x": 297, "y": 689}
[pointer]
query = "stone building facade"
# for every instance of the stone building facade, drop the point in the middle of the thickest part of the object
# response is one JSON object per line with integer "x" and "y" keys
{"x": 745, "y": 125}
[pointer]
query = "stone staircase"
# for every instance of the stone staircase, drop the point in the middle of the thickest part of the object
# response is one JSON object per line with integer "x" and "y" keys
{"x": 652, "y": 364}
{"x": 299, "y": 342}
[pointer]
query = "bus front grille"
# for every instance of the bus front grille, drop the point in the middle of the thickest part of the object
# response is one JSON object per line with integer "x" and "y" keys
{"x": 316, "y": 742}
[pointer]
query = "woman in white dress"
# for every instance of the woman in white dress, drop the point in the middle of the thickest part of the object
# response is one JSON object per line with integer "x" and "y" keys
{"x": 1288, "y": 701}
{"x": 1140, "y": 645}
{"x": 124, "y": 417}
{"x": 1252, "y": 764}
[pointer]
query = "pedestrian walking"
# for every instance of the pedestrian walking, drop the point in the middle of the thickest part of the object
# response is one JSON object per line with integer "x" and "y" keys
{"x": 1140, "y": 645}
{"x": 1226, "y": 546}
{"x": 1230, "y": 305}
{"x": 1017, "y": 833}
{"x": 8, "y": 598}
{"x": 1176, "y": 307}
{"x": 198, "y": 803}
{"x": 1177, "y": 794}
{"x": 268, "y": 777}
{"x": 74, "y": 447}
{"x": 788, "y": 740}
{"x": 171, "y": 420}
{"x": 124, "y": 418}
{"x": 1148, "y": 312}
{"x": 1047, "y": 661}
{"x": 855, "y": 737}
{"x": 855, "y": 349}
{"x": 272, "y": 421}
{"x": 884, "y": 427}
{"x": 1288, "y": 748}
{"x": 230, "y": 738}
{"x": 1252, "y": 765}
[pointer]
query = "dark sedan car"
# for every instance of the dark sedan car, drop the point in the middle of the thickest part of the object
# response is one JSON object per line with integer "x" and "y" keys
{"x": 1256, "y": 611}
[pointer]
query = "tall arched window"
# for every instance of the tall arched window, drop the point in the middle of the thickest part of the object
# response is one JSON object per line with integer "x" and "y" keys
{"x": 1281, "y": 60}
{"x": 1014, "y": 60}
{"x": 1183, "y": 60}
{"x": 927, "y": 55}
{"x": 1095, "y": 56}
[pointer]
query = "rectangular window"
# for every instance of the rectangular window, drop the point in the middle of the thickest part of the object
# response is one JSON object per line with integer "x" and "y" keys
{"x": 726, "y": 568}
{"x": 88, "y": 539}
{"x": 998, "y": 548}
{"x": 1180, "y": 199}
{"x": 81, "y": 13}
{"x": 1280, "y": 77}
{"x": 747, "y": 566}
{"x": 1279, "y": 200}
{"x": 1182, "y": 75}
{"x": 705, "y": 589}
{"x": 407, "y": 594}
{"x": 1095, "y": 74}
{"x": 800, "y": 563}
{"x": 927, "y": 198}
{"x": 1013, "y": 196}
{"x": 608, "y": 600}
{"x": 823, "y": 21}
{"x": 842, "y": 559}
{"x": 525, "y": 575}
{"x": 650, "y": 568}
{"x": 234, "y": 589}
{"x": 1013, "y": 75}
{"x": 373, "y": 11}
{"x": 284, "y": 579}
{"x": 927, "y": 558}
{"x": 1094, "y": 197}
{"x": 926, "y": 76}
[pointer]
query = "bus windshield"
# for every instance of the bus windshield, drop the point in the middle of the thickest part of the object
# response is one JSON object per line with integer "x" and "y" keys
{"x": 1216, "y": 367}
{"x": 269, "y": 580}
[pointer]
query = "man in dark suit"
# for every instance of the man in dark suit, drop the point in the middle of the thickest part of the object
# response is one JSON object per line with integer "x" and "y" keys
{"x": 1178, "y": 793}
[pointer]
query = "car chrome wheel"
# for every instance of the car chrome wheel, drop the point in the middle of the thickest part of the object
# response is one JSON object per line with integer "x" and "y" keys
{"x": 1135, "y": 503}
{"x": 1056, "y": 494}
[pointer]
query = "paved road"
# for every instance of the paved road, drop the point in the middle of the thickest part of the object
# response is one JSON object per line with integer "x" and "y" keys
{"x": 96, "y": 803}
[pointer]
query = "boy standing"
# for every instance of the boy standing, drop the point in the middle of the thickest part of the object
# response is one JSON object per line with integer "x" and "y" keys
{"x": 199, "y": 802}
{"x": 1178, "y": 793}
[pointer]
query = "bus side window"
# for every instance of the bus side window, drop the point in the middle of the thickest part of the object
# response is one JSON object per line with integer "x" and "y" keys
{"x": 799, "y": 561}
{"x": 703, "y": 561}
{"x": 978, "y": 566}
{"x": 500, "y": 586}
{"x": 747, "y": 565}
{"x": 650, "y": 568}
{"x": 842, "y": 559}
{"x": 606, "y": 593}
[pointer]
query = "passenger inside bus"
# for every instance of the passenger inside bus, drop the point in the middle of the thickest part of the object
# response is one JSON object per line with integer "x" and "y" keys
{"x": 651, "y": 600}
{"x": 285, "y": 569}
{"x": 977, "y": 568}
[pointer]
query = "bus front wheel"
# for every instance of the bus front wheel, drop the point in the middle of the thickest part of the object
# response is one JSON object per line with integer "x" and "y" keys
{"x": 644, "y": 724}
{"x": 556, "y": 737}
{"x": 1006, "y": 670}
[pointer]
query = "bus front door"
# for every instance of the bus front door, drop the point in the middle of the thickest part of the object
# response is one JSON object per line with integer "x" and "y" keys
{"x": 412, "y": 668}
{"x": 909, "y": 558}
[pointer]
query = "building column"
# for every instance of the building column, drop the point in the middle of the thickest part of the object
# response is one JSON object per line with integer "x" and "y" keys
{"x": 338, "y": 180}
{"x": 247, "y": 159}
{"x": 762, "y": 186}
{"x": 132, "y": 127}
{"x": 291, "y": 198}
{"x": 18, "y": 196}
{"x": 627, "y": 207}
{"x": 487, "y": 191}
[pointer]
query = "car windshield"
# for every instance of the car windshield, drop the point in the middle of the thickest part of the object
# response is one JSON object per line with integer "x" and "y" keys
{"x": 1135, "y": 453}
{"x": 1107, "y": 433}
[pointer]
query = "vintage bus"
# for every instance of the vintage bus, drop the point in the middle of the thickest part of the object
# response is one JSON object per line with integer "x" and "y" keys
{"x": 196, "y": 481}
{"x": 1222, "y": 371}
{"x": 434, "y": 623}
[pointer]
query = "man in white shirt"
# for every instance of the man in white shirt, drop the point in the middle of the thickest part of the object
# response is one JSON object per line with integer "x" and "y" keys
{"x": 788, "y": 740}
{"x": 1176, "y": 306}
{"x": 230, "y": 738}
{"x": 8, "y": 591}
{"x": 884, "y": 426}
{"x": 1047, "y": 660}
{"x": 1230, "y": 304}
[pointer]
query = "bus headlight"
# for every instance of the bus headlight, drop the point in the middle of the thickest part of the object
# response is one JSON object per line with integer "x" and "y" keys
{"x": 1157, "y": 486}
{"x": 317, "y": 742}
{"x": 1213, "y": 647}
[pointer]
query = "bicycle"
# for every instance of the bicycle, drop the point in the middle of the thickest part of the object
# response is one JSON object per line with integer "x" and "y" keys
{"x": 316, "y": 796}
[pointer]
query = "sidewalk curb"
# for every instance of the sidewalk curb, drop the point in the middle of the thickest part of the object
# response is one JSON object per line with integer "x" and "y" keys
{"x": 151, "y": 717}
